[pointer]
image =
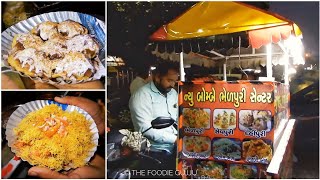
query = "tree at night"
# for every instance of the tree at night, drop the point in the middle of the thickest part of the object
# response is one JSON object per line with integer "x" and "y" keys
{"x": 131, "y": 23}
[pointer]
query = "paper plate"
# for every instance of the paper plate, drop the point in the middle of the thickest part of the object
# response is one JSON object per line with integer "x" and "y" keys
{"x": 25, "y": 109}
{"x": 95, "y": 27}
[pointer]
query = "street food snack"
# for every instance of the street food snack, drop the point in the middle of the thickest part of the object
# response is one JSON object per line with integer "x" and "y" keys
{"x": 28, "y": 62}
{"x": 56, "y": 51}
{"x": 224, "y": 118}
{"x": 196, "y": 118}
{"x": 84, "y": 44}
{"x": 256, "y": 150}
{"x": 226, "y": 149}
{"x": 232, "y": 119}
{"x": 45, "y": 30}
{"x": 196, "y": 144}
{"x": 22, "y": 41}
{"x": 53, "y": 138}
{"x": 246, "y": 118}
{"x": 241, "y": 171}
{"x": 210, "y": 170}
{"x": 255, "y": 120}
{"x": 70, "y": 29}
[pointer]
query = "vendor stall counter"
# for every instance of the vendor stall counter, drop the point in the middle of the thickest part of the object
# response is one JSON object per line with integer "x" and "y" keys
{"x": 230, "y": 129}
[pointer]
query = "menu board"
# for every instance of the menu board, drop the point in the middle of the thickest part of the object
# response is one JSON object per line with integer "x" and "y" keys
{"x": 226, "y": 129}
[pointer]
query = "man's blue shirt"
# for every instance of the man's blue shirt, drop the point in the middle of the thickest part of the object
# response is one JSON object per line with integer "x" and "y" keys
{"x": 148, "y": 103}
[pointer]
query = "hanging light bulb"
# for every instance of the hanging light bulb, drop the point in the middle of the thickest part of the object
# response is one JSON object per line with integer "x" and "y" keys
{"x": 295, "y": 48}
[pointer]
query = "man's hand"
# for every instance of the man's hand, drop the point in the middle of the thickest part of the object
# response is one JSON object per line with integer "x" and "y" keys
{"x": 8, "y": 83}
{"x": 94, "y": 109}
{"x": 96, "y": 169}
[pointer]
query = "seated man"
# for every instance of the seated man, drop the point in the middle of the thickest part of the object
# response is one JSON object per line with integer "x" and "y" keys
{"x": 157, "y": 99}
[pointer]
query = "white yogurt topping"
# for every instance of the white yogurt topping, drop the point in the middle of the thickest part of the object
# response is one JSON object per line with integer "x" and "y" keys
{"x": 57, "y": 53}
{"x": 82, "y": 42}
{"x": 70, "y": 27}
{"x": 29, "y": 40}
{"x": 51, "y": 48}
{"x": 47, "y": 30}
{"x": 74, "y": 63}
{"x": 32, "y": 58}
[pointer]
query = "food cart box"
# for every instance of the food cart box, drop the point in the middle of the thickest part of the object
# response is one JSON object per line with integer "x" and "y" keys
{"x": 281, "y": 164}
{"x": 231, "y": 127}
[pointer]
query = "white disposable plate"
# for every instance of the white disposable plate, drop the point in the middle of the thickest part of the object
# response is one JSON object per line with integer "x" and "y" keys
{"x": 95, "y": 27}
{"x": 25, "y": 109}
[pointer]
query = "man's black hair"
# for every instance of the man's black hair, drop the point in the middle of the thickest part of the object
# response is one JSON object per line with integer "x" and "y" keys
{"x": 143, "y": 72}
{"x": 163, "y": 68}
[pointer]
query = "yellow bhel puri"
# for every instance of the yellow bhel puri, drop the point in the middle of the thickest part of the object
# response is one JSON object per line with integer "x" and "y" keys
{"x": 53, "y": 138}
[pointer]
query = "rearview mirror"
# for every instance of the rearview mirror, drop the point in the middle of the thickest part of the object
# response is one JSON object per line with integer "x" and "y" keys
{"x": 162, "y": 122}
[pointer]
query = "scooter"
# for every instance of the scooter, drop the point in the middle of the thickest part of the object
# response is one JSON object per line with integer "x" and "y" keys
{"x": 120, "y": 160}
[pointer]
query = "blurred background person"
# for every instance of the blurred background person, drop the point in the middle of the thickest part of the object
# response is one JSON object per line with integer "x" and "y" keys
{"x": 142, "y": 78}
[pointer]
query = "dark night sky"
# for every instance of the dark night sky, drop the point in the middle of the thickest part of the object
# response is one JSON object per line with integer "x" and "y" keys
{"x": 306, "y": 16}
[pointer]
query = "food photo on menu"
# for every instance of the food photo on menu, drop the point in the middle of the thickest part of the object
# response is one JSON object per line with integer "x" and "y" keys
{"x": 56, "y": 134}
{"x": 257, "y": 150}
{"x": 196, "y": 118}
{"x": 210, "y": 170}
{"x": 224, "y": 118}
{"x": 196, "y": 146}
{"x": 42, "y": 48}
{"x": 259, "y": 120}
{"x": 241, "y": 171}
{"x": 226, "y": 149}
